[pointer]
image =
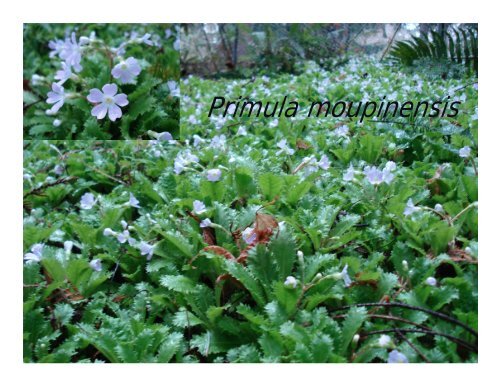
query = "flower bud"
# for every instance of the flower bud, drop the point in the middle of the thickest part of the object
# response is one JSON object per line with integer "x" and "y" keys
{"x": 290, "y": 282}
{"x": 355, "y": 339}
{"x": 405, "y": 265}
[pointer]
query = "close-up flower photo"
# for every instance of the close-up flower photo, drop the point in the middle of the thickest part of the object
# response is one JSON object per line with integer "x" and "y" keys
{"x": 100, "y": 81}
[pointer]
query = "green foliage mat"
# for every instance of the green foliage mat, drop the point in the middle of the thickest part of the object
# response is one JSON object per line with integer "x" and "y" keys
{"x": 317, "y": 240}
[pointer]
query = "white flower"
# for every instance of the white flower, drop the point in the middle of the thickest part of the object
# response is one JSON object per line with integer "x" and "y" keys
{"x": 126, "y": 70}
{"x": 68, "y": 246}
{"x": 199, "y": 207}
{"x": 349, "y": 174}
{"x": 56, "y": 122}
{"x": 206, "y": 223}
{"x": 174, "y": 88}
{"x": 37, "y": 80}
{"x": 439, "y": 208}
{"x": 96, "y": 265}
{"x": 214, "y": 175}
{"x": 284, "y": 148}
{"x": 241, "y": 131}
{"x": 35, "y": 255}
{"x": 464, "y": 152}
{"x": 390, "y": 166}
{"x": 87, "y": 201}
{"x": 108, "y": 102}
{"x": 146, "y": 249}
{"x": 56, "y": 97}
{"x": 290, "y": 282}
{"x": 132, "y": 201}
{"x": 431, "y": 281}
{"x": 410, "y": 208}
{"x": 249, "y": 235}
{"x": 109, "y": 232}
{"x": 345, "y": 276}
{"x": 182, "y": 160}
{"x": 384, "y": 341}
{"x": 396, "y": 357}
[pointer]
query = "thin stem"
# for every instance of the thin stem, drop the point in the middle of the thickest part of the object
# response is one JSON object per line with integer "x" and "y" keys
{"x": 415, "y": 308}
{"x": 459, "y": 341}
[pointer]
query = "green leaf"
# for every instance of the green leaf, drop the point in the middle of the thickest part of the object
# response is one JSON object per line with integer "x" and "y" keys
{"x": 270, "y": 185}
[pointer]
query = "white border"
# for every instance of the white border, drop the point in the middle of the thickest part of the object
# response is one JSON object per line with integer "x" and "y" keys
{"x": 243, "y": 11}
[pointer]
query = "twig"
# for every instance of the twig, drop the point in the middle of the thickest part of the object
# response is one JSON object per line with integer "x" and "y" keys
{"x": 415, "y": 308}
{"x": 459, "y": 341}
{"x": 390, "y": 42}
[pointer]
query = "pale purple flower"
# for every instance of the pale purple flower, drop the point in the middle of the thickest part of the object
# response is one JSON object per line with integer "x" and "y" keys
{"x": 134, "y": 202}
{"x": 64, "y": 73}
{"x": 165, "y": 136}
{"x": 349, "y": 174}
{"x": 214, "y": 175}
{"x": 218, "y": 142}
{"x": 108, "y": 102}
{"x": 197, "y": 140}
{"x": 431, "y": 281}
{"x": 384, "y": 341}
{"x": 59, "y": 169}
{"x": 291, "y": 282}
{"x": 345, "y": 276}
{"x": 124, "y": 237}
{"x": 71, "y": 52}
{"x": 146, "y": 249}
{"x": 56, "y": 97}
{"x": 56, "y": 122}
{"x": 341, "y": 131}
{"x": 396, "y": 357}
{"x": 199, "y": 207}
{"x": 96, "y": 265}
{"x": 464, "y": 152}
{"x": 88, "y": 201}
{"x": 373, "y": 175}
{"x": 35, "y": 255}
{"x": 410, "y": 208}
{"x": 126, "y": 70}
{"x": 284, "y": 148}
{"x": 206, "y": 223}
{"x": 174, "y": 88}
{"x": 324, "y": 162}
{"x": 249, "y": 235}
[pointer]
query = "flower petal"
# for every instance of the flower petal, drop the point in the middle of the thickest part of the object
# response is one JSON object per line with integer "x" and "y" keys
{"x": 114, "y": 112}
{"x": 110, "y": 89}
{"x": 121, "y": 100}
{"x": 57, "y": 106}
{"x": 95, "y": 96}
{"x": 99, "y": 111}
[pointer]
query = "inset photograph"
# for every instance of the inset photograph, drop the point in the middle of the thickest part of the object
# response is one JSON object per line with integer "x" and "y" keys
{"x": 100, "y": 81}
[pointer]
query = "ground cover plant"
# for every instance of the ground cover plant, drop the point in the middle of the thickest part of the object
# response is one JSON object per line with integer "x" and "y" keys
{"x": 100, "y": 81}
{"x": 257, "y": 239}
